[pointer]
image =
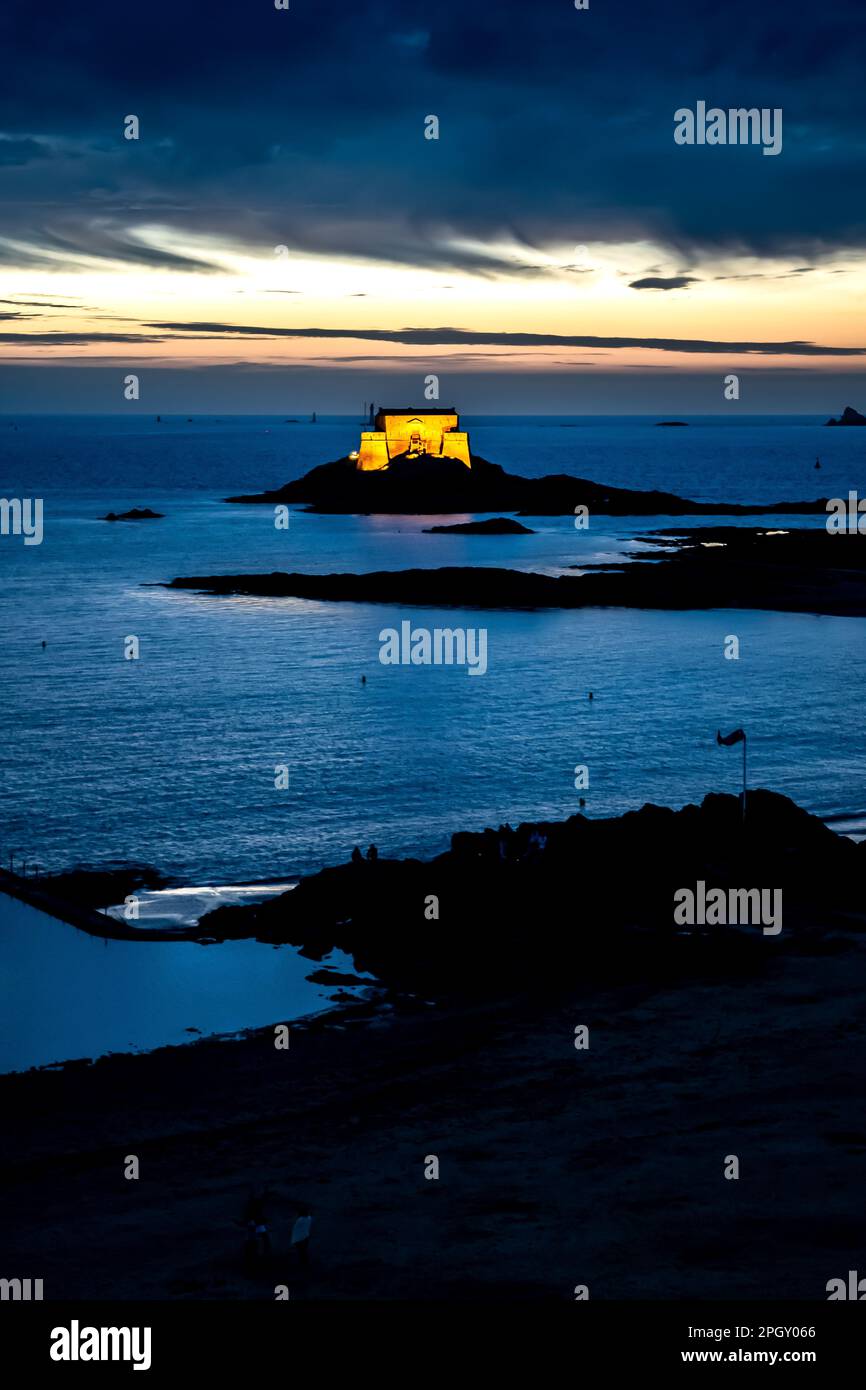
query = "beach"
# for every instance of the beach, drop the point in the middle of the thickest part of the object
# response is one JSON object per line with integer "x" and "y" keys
{"x": 557, "y": 1167}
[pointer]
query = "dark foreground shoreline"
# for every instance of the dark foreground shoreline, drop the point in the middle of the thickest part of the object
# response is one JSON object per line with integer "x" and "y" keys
{"x": 798, "y": 571}
{"x": 601, "y": 1165}
{"x": 558, "y": 1167}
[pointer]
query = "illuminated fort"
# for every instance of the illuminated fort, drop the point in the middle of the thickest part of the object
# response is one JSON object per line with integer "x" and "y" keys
{"x": 411, "y": 434}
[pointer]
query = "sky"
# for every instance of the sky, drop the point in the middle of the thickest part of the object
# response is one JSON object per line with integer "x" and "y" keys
{"x": 282, "y": 234}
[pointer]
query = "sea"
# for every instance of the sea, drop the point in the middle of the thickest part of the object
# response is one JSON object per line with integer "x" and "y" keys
{"x": 241, "y": 746}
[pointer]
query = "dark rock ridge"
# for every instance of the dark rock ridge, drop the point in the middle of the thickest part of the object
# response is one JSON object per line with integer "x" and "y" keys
{"x": 671, "y": 424}
{"x": 613, "y": 883}
{"x": 849, "y": 416}
{"x": 78, "y": 895}
{"x": 101, "y": 886}
{"x": 496, "y": 526}
{"x": 136, "y": 514}
{"x": 802, "y": 571}
{"x": 425, "y": 486}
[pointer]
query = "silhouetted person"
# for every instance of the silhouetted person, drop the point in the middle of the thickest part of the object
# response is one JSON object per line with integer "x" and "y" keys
{"x": 301, "y": 1234}
{"x": 590, "y": 694}
{"x": 363, "y": 680}
{"x": 44, "y": 645}
{"x": 258, "y": 1239}
{"x": 817, "y": 463}
{"x": 357, "y": 856}
{"x": 582, "y": 801}
{"x": 372, "y": 854}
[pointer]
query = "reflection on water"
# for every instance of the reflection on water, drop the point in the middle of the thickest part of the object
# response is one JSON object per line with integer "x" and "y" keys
{"x": 184, "y": 907}
{"x": 68, "y": 995}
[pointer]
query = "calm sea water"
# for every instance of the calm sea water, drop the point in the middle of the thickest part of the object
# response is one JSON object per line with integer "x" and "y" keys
{"x": 171, "y": 758}
{"x": 69, "y": 995}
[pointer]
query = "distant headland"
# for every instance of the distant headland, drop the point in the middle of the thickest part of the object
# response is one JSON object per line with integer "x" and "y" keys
{"x": 849, "y": 416}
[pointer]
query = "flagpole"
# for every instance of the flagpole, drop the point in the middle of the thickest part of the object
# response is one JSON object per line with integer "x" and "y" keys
{"x": 738, "y": 736}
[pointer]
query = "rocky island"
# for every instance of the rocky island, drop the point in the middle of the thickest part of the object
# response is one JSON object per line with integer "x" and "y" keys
{"x": 496, "y": 526}
{"x": 427, "y": 485}
{"x": 135, "y": 514}
{"x": 801, "y": 571}
{"x": 418, "y": 461}
{"x": 849, "y": 416}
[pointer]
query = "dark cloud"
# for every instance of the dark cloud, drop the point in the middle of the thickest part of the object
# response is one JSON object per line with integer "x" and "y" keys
{"x": 442, "y": 337}
{"x": 663, "y": 282}
{"x": 42, "y": 304}
{"x": 79, "y": 339}
{"x": 305, "y": 127}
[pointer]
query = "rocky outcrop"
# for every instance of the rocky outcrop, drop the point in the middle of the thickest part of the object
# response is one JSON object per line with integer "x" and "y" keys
{"x": 136, "y": 514}
{"x": 101, "y": 886}
{"x": 849, "y": 416}
{"x": 496, "y": 526}
{"x": 469, "y": 921}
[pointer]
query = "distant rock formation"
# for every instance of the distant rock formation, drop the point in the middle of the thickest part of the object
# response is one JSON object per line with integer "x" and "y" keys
{"x": 136, "y": 514}
{"x": 496, "y": 526}
{"x": 849, "y": 416}
{"x": 669, "y": 424}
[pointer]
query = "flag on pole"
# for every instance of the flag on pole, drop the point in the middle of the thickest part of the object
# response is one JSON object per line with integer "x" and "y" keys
{"x": 726, "y": 740}
{"x": 738, "y": 736}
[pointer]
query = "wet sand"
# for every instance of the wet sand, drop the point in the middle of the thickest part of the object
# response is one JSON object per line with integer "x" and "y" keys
{"x": 557, "y": 1167}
